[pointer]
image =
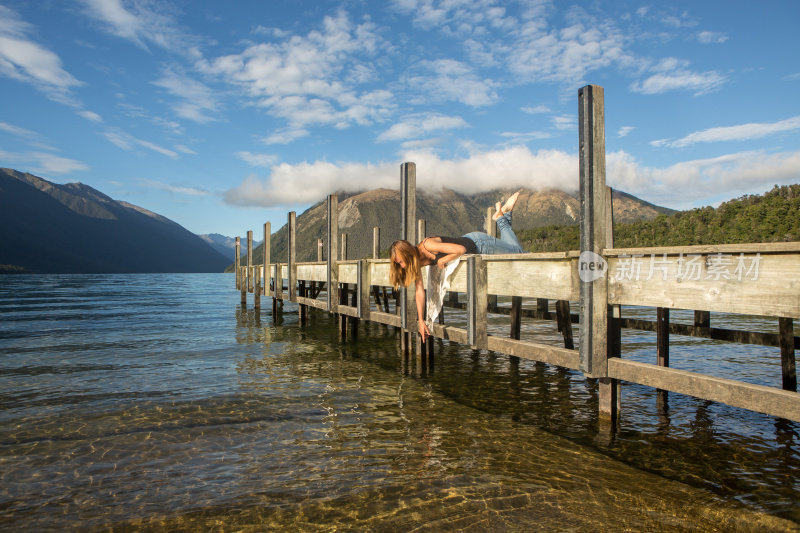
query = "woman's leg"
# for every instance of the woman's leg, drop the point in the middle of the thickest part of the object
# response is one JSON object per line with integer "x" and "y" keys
{"x": 506, "y": 244}
{"x": 507, "y": 235}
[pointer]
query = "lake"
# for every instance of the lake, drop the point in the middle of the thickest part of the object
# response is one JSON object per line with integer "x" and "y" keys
{"x": 155, "y": 402}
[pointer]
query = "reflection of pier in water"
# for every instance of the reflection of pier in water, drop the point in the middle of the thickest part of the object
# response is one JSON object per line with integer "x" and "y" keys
{"x": 748, "y": 279}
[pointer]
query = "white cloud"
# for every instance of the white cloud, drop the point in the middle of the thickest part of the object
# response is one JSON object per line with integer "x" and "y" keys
{"x": 26, "y": 61}
{"x": 257, "y": 160}
{"x": 527, "y": 136}
{"x": 141, "y": 23}
{"x": 448, "y": 80}
{"x": 711, "y": 37}
{"x": 43, "y": 163}
{"x": 565, "y": 122}
{"x": 90, "y": 115}
{"x": 176, "y": 189}
{"x": 128, "y": 142}
{"x": 185, "y": 149}
{"x": 196, "y": 100}
{"x": 625, "y": 130}
{"x": 17, "y": 131}
{"x": 285, "y": 136}
{"x": 568, "y": 54}
{"x": 420, "y": 125}
{"x": 310, "y": 182}
{"x": 673, "y": 74}
{"x": 539, "y": 109}
{"x": 754, "y": 130}
{"x": 698, "y": 182}
{"x": 304, "y": 79}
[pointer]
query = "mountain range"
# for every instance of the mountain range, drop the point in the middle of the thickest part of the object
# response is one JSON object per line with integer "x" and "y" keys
{"x": 73, "y": 228}
{"x": 445, "y": 213}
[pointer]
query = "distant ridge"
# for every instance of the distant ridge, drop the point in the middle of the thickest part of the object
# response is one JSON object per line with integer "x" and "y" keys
{"x": 445, "y": 213}
{"x": 73, "y": 228}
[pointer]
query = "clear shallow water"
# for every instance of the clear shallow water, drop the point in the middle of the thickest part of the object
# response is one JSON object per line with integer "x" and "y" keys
{"x": 155, "y": 402}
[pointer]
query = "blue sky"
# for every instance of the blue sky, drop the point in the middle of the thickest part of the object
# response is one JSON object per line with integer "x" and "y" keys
{"x": 226, "y": 115}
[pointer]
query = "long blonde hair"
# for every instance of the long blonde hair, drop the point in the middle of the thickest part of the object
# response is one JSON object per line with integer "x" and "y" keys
{"x": 406, "y": 252}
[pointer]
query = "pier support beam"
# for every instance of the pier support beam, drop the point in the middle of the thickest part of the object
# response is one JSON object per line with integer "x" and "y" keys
{"x": 270, "y": 280}
{"x": 249, "y": 260}
{"x": 596, "y": 235}
{"x": 237, "y": 262}
{"x": 257, "y": 288}
{"x": 332, "y": 253}
{"x": 788, "y": 368}
{"x": 477, "y": 303}
{"x": 408, "y": 218}
{"x": 291, "y": 255}
{"x": 594, "y": 292}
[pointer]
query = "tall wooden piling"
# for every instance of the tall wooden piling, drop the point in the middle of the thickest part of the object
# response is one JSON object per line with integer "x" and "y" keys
{"x": 477, "y": 304}
{"x": 267, "y": 272}
{"x": 343, "y": 319}
{"x": 788, "y": 368}
{"x": 332, "y": 253}
{"x": 249, "y": 260}
{"x": 593, "y": 293}
{"x": 291, "y": 255}
{"x": 237, "y": 262}
{"x": 257, "y": 287}
{"x": 408, "y": 217}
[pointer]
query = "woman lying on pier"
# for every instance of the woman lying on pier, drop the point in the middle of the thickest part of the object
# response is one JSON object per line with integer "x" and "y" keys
{"x": 407, "y": 259}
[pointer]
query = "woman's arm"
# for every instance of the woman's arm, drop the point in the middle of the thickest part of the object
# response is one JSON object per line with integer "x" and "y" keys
{"x": 453, "y": 251}
{"x": 419, "y": 296}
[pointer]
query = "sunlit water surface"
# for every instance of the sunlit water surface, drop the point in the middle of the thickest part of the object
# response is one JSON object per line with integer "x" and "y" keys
{"x": 155, "y": 402}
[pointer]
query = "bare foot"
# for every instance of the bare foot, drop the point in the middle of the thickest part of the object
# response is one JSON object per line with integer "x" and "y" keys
{"x": 498, "y": 211}
{"x": 509, "y": 205}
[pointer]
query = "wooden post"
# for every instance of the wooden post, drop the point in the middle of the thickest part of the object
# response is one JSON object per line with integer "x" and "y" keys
{"x": 408, "y": 218}
{"x": 376, "y": 242}
{"x": 319, "y": 250}
{"x": 275, "y": 288}
{"x": 476, "y": 307}
{"x": 564, "y": 321}
{"x": 491, "y": 230}
{"x": 516, "y": 317}
{"x": 332, "y": 270}
{"x": 702, "y": 319}
{"x": 343, "y": 319}
{"x": 249, "y": 260}
{"x": 279, "y": 281}
{"x": 236, "y": 263}
{"x": 267, "y": 271}
{"x": 490, "y": 225}
{"x": 516, "y": 329}
{"x": 363, "y": 289}
{"x": 542, "y": 306}
{"x": 257, "y": 288}
{"x": 243, "y": 286}
{"x": 662, "y": 336}
{"x": 291, "y": 254}
{"x": 593, "y": 195}
{"x": 303, "y": 308}
{"x": 788, "y": 368}
{"x": 424, "y": 350}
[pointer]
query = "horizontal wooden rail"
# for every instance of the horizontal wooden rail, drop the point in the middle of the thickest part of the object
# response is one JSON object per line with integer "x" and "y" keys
{"x": 768, "y": 400}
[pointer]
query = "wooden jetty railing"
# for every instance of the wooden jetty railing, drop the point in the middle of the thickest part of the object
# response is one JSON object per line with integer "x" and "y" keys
{"x": 751, "y": 279}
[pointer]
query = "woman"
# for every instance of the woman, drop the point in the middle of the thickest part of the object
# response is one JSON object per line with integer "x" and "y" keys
{"x": 407, "y": 259}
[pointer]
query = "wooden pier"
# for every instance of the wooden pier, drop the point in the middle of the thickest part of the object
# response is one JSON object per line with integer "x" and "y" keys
{"x": 748, "y": 279}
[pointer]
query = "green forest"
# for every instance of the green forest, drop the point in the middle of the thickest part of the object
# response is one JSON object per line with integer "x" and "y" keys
{"x": 771, "y": 217}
